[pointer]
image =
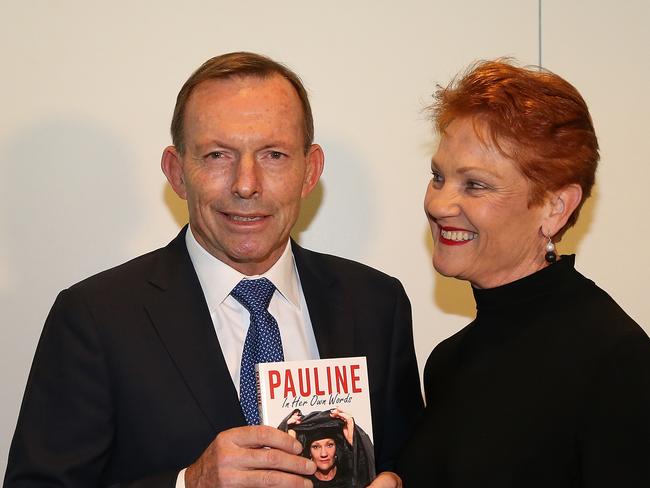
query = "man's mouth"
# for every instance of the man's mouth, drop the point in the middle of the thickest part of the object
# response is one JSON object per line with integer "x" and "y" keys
{"x": 244, "y": 218}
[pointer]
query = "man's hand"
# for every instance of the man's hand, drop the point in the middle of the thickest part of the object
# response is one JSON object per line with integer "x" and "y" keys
{"x": 386, "y": 480}
{"x": 250, "y": 457}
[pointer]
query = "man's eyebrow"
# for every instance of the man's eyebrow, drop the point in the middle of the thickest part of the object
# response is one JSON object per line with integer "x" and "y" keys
{"x": 201, "y": 150}
{"x": 215, "y": 144}
{"x": 279, "y": 145}
{"x": 204, "y": 146}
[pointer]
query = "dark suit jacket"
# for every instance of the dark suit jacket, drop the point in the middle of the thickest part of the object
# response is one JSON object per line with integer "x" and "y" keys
{"x": 129, "y": 384}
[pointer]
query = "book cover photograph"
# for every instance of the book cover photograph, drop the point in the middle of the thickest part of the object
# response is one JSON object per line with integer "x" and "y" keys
{"x": 324, "y": 404}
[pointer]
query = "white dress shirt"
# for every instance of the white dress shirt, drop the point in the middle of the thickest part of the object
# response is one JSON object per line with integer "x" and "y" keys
{"x": 231, "y": 319}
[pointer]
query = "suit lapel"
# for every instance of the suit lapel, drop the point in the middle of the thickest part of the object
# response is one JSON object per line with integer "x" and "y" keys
{"x": 329, "y": 310}
{"x": 181, "y": 317}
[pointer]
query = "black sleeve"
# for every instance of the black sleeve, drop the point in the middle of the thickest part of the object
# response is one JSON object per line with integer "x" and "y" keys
{"x": 404, "y": 404}
{"x": 66, "y": 424}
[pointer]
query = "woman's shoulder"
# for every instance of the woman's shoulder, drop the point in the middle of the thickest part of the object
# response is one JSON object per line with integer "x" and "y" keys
{"x": 588, "y": 321}
{"x": 444, "y": 356}
{"x": 601, "y": 315}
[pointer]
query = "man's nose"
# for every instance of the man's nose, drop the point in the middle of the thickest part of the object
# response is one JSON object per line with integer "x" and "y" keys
{"x": 246, "y": 181}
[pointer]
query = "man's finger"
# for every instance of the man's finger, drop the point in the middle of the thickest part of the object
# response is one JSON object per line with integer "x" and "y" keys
{"x": 275, "y": 459}
{"x": 264, "y": 478}
{"x": 386, "y": 479}
{"x": 265, "y": 436}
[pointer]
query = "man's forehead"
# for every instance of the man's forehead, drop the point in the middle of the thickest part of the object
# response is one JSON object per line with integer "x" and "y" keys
{"x": 254, "y": 87}
{"x": 241, "y": 105}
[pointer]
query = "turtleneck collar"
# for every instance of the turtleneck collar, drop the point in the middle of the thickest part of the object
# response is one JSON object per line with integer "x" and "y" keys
{"x": 536, "y": 288}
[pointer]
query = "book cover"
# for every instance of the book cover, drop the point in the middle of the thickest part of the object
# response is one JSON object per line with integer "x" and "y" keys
{"x": 325, "y": 404}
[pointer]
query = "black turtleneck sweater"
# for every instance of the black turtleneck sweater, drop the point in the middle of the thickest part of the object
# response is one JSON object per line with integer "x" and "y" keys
{"x": 548, "y": 387}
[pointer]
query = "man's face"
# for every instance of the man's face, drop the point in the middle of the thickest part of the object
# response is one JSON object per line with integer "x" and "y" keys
{"x": 245, "y": 170}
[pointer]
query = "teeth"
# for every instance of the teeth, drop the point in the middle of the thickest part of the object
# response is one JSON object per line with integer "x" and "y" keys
{"x": 244, "y": 219}
{"x": 458, "y": 235}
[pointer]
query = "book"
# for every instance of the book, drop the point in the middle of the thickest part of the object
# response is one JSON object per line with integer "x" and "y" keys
{"x": 325, "y": 404}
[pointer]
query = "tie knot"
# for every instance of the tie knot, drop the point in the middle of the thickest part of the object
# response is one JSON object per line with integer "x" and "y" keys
{"x": 254, "y": 295}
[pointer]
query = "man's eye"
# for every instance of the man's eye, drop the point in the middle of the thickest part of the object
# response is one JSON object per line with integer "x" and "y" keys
{"x": 276, "y": 155}
{"x": 215, "y": 155}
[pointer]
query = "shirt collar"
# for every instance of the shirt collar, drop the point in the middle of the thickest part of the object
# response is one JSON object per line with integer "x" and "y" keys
{"x": 218, "y": 279}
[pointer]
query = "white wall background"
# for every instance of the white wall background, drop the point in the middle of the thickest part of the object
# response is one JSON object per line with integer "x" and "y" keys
{"x": 87, "y": 94}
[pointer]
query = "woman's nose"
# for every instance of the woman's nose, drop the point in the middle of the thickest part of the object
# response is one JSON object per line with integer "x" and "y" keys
{"x": 441, "y": 201}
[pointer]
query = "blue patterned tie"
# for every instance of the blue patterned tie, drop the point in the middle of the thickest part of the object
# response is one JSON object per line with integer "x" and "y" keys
{"x": 263, "y": 343}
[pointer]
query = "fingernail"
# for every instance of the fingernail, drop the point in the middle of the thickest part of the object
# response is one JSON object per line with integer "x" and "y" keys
{"x": 297, "y": 447}
{"x": 310, "y": 466}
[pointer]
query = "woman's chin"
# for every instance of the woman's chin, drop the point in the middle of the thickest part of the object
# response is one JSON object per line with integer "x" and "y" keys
{"x": 445, "y": 268}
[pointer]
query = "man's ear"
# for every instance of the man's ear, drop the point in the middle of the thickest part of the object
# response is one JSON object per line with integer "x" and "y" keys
{"x": 561, "y": 204}
{"x": 172, "y": 166}
{"x": 315, "y": 161}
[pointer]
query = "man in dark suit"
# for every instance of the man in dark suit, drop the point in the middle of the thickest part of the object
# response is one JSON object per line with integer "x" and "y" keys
{"x": 136, "y": 378}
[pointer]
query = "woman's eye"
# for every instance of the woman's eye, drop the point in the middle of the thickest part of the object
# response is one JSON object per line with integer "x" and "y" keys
{"x": 436, "y": 177}
{"x": 475, "y": 185}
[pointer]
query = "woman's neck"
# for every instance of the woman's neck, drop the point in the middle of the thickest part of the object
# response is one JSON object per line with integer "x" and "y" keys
{"x": 326, "y": 475}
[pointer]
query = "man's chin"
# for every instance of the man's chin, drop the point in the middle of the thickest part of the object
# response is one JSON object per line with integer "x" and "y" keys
{"x": 253, "y": 259}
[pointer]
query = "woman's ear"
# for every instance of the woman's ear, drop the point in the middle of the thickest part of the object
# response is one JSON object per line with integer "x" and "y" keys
{"x": 561, "y": 204}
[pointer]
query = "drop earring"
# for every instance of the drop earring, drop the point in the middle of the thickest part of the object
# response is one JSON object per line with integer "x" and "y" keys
{"x": 550, "y": 255}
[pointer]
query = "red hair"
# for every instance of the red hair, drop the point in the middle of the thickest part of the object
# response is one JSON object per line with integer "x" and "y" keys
{"x": 533, "y": 117}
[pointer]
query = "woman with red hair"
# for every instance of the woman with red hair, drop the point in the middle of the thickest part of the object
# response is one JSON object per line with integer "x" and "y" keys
{"x": 550, "y": 385}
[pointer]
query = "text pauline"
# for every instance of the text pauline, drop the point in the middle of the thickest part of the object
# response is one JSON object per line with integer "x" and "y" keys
{"x": 315, "y": 381}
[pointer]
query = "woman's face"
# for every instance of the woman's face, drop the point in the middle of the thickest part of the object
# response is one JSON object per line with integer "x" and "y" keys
{"x": 477, "y": 206}
{"x": 323, "y": 453}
